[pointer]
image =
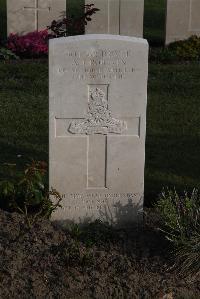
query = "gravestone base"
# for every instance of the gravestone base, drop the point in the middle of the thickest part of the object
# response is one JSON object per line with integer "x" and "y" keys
{"x": 116, "y": 209}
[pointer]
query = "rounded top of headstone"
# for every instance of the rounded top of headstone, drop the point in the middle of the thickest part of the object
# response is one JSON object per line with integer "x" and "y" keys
{"x": 89, "y": 37}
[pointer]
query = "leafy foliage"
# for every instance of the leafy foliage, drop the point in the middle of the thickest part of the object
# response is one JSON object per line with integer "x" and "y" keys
{"x": 72, "y": 25}
{"x": 6, "y": 54}
{"x": 180, "y": 218}
{"x": 188, "y": 49}
{"x": 35, "y": 44}
{"x": 184, "y": 50}
{"x": 26, "y": 193}
{"x": 188, "y": 254}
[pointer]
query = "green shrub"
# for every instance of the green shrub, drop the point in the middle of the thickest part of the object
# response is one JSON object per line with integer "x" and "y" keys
{"x": 180, "y": 222}
{"x": 188, "y": 254}
{"x": 27, "y": 194}
{"x": 185, "y": 50}
{"x": 72, "y": 25}
{"x": 188, "y": 49}
{"x": 6, "y": 54}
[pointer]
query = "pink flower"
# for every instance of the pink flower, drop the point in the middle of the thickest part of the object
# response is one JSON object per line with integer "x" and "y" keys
{"x": 30, "y": 45}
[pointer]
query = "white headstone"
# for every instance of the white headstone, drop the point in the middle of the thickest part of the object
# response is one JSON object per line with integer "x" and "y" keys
{"x": 25, "y": 16}
{"x": 98, "y": 96}
{"x": 123, "y": 17}
{"x": 183, "y": 19}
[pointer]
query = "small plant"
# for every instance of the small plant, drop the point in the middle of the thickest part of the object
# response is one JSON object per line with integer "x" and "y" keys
{"x": 35, "y": 44}
{"x": 26, "y": 193}
{"x": 180, "y": 222}
{"x": 30, "y": 45}
{"x": 94, "y": 233}
{"x": 76, "y": 254}
{"x": 97, "y": 232}
{"x": 72, "y": 25}
{"x": 188, "y": 49}
{"x": 184, "y": 50}
{"x": 6, "y": 54}
{"x": 188, "y": 254}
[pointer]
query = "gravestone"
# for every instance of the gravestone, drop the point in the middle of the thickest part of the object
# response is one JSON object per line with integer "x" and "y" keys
{"x": 123, "y": 17}
{"x": 183, "y": 19}
{"x": 98, "y": 94}
{"x": 25, "y": 16}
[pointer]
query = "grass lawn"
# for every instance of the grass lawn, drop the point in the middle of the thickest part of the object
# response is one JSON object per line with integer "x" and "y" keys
{"x": 173, "y": 121}
{"x": 23, "y": 112}
{"x": 173, "y": 128}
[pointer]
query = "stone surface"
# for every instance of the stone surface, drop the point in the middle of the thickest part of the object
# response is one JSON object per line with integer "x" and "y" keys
{"x": 183, "y": 19}
{"x": 98, "y": 94}
{"x": 124, "y": 17}
{"x": 29, "y": 15}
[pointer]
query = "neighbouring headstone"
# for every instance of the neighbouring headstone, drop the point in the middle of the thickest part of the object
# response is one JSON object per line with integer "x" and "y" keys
{"x": 25, "y": 16}
{"x": 183, "y": 19}
{"x": 123, "y": 17}
{"x": 98, "y": 97}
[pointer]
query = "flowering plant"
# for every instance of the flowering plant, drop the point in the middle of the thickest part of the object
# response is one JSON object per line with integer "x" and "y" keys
{"x": 35, "y": 44}
{"x": 30, "y": 45}
{"x": 73, "y": 25}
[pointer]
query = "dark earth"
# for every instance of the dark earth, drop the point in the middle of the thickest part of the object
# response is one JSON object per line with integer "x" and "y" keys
{"x": 45, "y": 261}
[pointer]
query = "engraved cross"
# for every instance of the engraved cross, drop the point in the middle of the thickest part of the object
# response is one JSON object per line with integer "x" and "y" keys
{"x": 36, "y": 10}
{"x": 97, "y": 124}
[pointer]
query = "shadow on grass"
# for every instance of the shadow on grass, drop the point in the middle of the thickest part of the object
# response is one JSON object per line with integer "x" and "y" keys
{"x": 171, "y": 161}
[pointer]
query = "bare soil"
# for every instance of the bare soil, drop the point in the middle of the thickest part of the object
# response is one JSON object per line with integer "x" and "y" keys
{"x": 46, "y": 261}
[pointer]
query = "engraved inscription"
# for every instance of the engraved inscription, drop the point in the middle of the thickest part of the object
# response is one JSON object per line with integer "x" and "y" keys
{"x": 99, "y": 64}
{"x": 99, "y": 119}
{"x": 97, "y": 196}
{"x": 94, "y": 201}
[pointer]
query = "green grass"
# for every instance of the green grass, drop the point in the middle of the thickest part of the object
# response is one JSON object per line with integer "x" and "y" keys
{"x": 173, "y": 121}
{"x": 173, "y": 128}
{"x": 23, "y": 112}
